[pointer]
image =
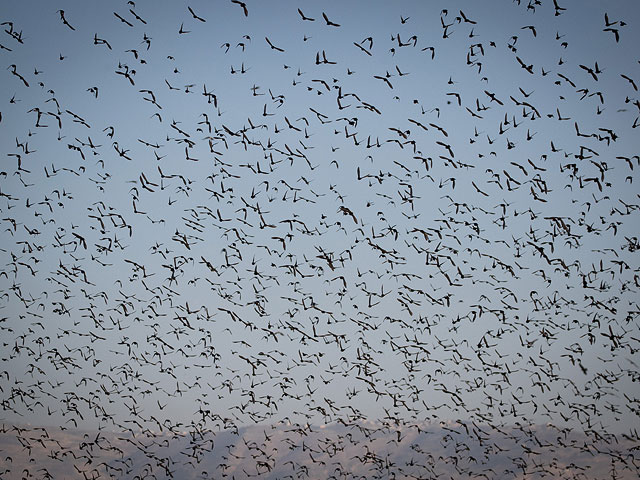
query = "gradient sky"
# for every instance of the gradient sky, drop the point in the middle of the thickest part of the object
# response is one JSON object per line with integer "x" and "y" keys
{"x": 331, "y": 245}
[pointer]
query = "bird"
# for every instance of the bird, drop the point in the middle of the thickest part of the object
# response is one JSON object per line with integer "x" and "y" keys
{"x": 123, "y": 20}
{"x": 302, "y": 15}
{"x": 243, "y": 5}
{"x": 329, "y": 22}
{"x": 193, "y": 14}
{"x": 273, "y": 47}
{"x": 64, "y": 20}
{"x": 630, "y": 80}
{"x": 101, "y": 41}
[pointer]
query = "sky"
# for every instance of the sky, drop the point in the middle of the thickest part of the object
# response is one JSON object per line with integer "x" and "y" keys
{"x": 314, "y": 213}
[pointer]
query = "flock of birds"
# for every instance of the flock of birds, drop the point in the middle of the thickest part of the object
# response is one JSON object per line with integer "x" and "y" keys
{"x": 355, "y": 241}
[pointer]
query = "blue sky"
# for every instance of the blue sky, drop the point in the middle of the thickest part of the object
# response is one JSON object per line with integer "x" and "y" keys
{"x": 383, "y": 213}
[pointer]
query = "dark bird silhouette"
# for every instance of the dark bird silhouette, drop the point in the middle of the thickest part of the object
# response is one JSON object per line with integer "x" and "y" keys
{"x": 64, "y": 20}
{"x": 528, "y": 68}
{"x": 123, "y": 20}
{"x": 15, "y": 72}
{"x": 306, "y": 18}
{"x": 273, "y": 47}
{"x": 329, "y": 22}
{"x": 243, "y": 5}
{"x": 630, "y": 80}
{"x": 100, "y": 41}
{"x": 193, "y": 14}
{"x": 137, "y": 17}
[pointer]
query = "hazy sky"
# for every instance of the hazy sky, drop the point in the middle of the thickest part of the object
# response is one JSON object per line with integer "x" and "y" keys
{"x": 423, "y": 210}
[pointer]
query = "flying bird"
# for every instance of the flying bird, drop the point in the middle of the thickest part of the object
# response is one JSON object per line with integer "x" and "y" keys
{"x": 329, "y": 22}
{"x": 64, "y": 20}
{"x": 273, "y": 47}
{"x": 243, "y": 5}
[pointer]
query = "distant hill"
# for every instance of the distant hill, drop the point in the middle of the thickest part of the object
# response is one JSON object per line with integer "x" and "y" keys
{"x": 340, "y": 451}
